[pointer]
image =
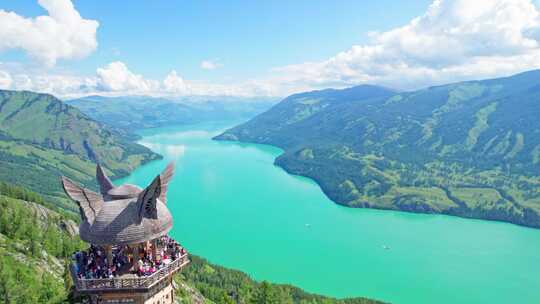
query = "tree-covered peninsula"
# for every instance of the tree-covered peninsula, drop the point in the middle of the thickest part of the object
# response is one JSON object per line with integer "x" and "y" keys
{"x": 470, "y": 149}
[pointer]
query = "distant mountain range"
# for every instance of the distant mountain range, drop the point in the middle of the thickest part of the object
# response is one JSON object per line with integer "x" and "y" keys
{"x": 137, "y": 112}
{"x": 42, "y": 138}
{"x": 469, "y": 149}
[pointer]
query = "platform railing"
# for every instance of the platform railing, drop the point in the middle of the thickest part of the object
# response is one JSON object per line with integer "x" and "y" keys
{"x": 143, "y": 282}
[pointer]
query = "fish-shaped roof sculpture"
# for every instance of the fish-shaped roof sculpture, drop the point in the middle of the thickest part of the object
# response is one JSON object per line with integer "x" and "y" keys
{"x": 125, "y": 214}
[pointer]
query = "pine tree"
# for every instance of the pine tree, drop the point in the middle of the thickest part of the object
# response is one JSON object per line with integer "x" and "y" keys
{"x": 267, "y": 294}
{"x": 68, "y": 280}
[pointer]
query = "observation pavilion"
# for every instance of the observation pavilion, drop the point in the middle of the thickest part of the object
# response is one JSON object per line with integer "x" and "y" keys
{"x": 130, "y": 259}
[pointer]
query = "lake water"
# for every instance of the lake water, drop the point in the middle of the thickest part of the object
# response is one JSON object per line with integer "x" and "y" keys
{"x": 232, "y": 206}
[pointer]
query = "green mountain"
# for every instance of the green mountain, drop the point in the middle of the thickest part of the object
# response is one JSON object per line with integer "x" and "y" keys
{"x": 470, "y": 149}
{"x": 42, "y": 138}
{"x": 138, "y": 112}
{"x": 36, "y": 244}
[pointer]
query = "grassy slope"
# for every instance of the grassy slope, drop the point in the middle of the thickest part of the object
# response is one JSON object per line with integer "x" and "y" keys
{"x": 469, "y": 149}
{"x": 42, "y": 138}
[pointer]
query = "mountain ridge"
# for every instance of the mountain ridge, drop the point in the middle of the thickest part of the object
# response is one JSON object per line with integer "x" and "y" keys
{"x": 131, "y": 113}
{"x": 42, "y": 138}
{"x": 469, "y": 149}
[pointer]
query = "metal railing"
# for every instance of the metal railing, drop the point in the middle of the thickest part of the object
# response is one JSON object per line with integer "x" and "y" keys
{"x": 140, "y": 283}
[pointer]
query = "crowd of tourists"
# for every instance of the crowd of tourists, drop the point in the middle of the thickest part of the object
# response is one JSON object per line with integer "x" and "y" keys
{"x": 95, "y": 263}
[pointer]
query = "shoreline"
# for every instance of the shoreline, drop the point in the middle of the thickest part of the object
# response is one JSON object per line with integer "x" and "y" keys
{"x": 453, "y": 212}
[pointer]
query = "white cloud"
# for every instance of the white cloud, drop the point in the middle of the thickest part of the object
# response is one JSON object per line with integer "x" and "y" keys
{"x": 117, "y": 77}
{"x": 63, "y": 34}
{"x": 58, "y": 84}
{"x": 452, "y": 41}
{"x": 210, "y": 65}
{"x": 175, "y": 84}
{"x": 5, "y": 80}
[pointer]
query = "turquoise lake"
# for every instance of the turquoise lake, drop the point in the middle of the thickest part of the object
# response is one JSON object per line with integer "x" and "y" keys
{"x": 232, "y": 206}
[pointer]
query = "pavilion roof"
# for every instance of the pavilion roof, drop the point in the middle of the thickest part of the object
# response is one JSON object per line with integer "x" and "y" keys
{"x": 125, "y": 214}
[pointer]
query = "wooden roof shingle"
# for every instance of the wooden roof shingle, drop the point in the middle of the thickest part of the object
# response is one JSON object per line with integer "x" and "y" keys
{"x": 125, "y": 214}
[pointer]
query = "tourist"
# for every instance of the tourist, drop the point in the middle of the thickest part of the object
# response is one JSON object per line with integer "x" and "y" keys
{"x": 94, "y": 264}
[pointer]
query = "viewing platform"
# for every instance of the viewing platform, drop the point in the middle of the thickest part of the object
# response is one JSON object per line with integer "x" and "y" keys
{"x": 131, "y": 259}
{"x": 130, "y": 282}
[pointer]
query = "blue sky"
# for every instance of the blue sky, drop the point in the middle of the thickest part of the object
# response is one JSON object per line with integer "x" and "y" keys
{"x": 247, "y": 37}
{"x": 260, "y": 48}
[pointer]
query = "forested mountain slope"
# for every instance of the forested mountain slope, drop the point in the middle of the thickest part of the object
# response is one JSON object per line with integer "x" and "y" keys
{"x": 35, "y": 244}
{"x": 470, "y": 149}
{"x": 42, "y": 138}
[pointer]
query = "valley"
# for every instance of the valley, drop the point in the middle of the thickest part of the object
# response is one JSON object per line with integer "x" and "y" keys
{"x": 270, "y": 152}
{"x": 41, "y": 139}
{"x": 232, "y": 206}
